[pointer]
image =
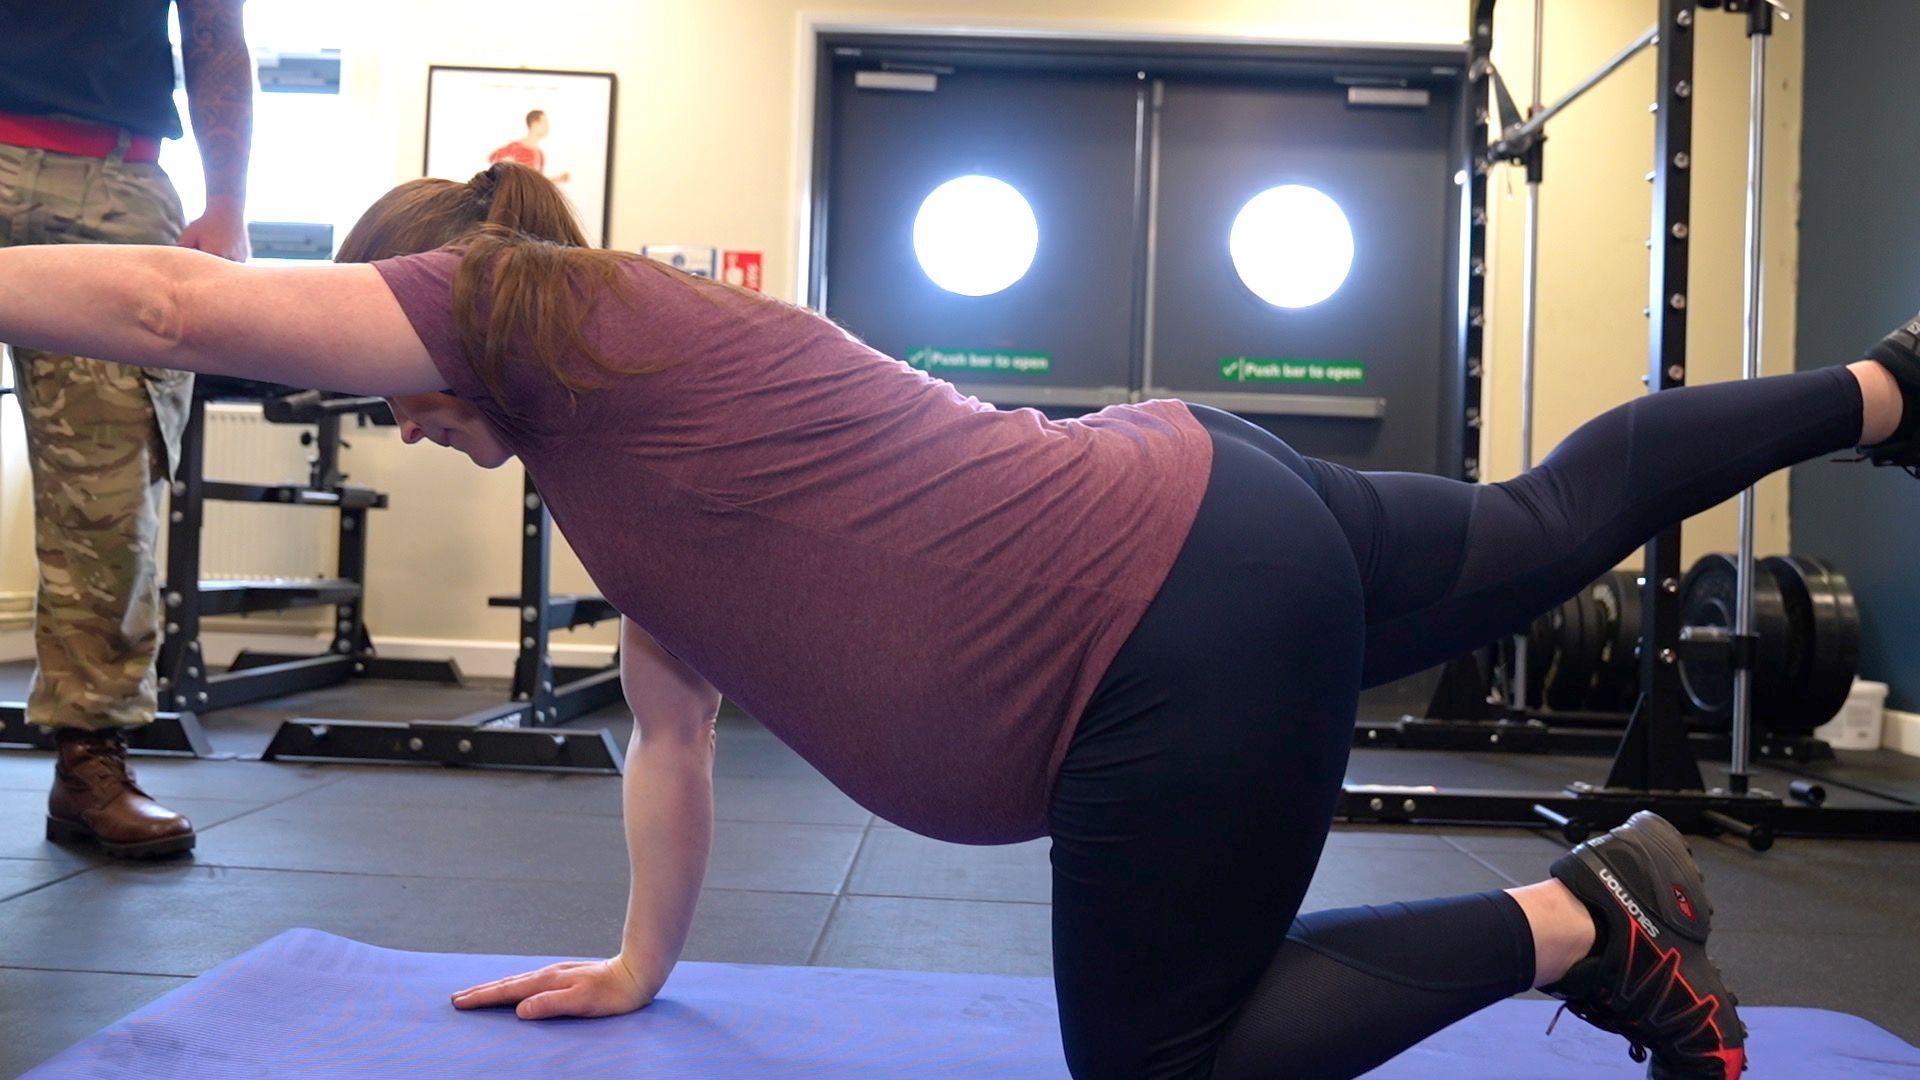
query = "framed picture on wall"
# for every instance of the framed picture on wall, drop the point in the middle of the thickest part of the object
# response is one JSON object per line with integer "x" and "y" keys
{"x": 560, "y": 122}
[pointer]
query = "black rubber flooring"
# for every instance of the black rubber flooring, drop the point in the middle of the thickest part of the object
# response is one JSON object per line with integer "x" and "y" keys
{"x": 449, "y": 860}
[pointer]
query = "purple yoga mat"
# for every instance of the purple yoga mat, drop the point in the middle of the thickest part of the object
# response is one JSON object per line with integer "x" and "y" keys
{"x": 310, "y": 1004}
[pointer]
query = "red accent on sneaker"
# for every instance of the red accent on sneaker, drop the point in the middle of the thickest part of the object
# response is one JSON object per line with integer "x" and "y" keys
{"x": 1734, "y": 1061}
{"x": 1734, "y": 1058}
{"x": 1686, "y": 905}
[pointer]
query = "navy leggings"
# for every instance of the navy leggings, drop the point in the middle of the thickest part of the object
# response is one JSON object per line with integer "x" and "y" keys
{"x": 1200, "y": 784}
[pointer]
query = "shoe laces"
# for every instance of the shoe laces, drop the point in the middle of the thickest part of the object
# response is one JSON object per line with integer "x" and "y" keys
{"x": 1634, "y": 1049}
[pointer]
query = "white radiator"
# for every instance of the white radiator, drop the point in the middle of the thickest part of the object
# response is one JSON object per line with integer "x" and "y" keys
{"x": 250, "y": 541}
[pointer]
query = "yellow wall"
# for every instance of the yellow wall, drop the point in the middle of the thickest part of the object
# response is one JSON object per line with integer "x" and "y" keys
{"x": 709, "y": 151}
{"x": 1595, "y": 219}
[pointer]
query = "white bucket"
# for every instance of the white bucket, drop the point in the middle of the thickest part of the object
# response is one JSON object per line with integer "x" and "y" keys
{"x": 1858, "y": 725}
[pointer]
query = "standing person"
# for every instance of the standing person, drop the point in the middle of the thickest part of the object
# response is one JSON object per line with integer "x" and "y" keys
{"x": 86, "y": 96}
{"x": 525, "y": 150}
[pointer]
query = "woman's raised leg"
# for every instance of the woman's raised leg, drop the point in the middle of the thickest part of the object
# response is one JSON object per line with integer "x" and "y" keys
{"x": 1449, "y": 566}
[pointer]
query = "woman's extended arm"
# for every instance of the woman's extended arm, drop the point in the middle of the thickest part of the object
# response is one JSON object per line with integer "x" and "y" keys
{"x": 324, "y": 326}
{"x": 668, "y": 793}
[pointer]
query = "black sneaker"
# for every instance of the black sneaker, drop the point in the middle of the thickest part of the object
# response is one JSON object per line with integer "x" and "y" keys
{"x": 1650, "y": 979}
{"x": 1899, "y": 353}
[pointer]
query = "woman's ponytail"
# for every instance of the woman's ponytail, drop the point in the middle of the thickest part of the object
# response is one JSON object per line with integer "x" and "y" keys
{"x": 521, "y": 200}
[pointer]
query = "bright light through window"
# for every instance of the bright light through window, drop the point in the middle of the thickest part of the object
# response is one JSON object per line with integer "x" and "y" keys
{"x": 1291, "y": 245}
{"x": 975, "y": 235}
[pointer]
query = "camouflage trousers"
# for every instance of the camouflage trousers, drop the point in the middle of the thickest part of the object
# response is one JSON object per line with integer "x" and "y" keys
{"x": 101, "y": 438}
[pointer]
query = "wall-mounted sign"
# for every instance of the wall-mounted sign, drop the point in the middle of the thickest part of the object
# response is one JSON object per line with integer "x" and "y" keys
{"x": 979, "y": 361}
{"x": 1255, "y": 369}
{"x": 741, "y": 268}
{"x": 698, "y": 261}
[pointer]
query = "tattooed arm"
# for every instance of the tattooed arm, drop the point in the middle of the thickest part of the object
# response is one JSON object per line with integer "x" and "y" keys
{"x": 219, "y": 73}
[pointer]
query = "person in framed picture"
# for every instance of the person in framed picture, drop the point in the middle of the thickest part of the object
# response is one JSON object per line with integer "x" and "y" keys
{"x": 525, "y": 150}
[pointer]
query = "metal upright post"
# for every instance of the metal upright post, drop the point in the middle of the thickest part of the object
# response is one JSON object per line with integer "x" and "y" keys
{"x": 533, "y": 675}
{"x": 1654, "y": 753}
{"x": 1475, "y": 168}
{"x": 1529, "y": 326}
{"x": 1530, "y": 284}
{"x": 182, "y": 674}
{"x": 1759, "y": 28}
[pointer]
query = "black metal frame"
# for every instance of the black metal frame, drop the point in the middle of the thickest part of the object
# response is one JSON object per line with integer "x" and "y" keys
{"x": 185, "y": 681}
{"x": 1473, "y": 245}
{"x": 546, "y": 694}
{"x": 506, "y": 735}
{"x": 1654, "y": 766}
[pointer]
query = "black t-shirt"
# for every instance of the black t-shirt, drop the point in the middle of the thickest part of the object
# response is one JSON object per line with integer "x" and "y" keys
{"x": 107, "y": 61}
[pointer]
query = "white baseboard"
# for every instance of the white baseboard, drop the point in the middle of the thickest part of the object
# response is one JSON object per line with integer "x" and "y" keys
{"x": 487, "y": 659}
{"x": 483, "y": 659}
{"x": 1901, "y": 731}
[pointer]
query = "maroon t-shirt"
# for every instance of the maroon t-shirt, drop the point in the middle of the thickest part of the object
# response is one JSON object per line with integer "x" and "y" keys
{"x": 916, "y": 591}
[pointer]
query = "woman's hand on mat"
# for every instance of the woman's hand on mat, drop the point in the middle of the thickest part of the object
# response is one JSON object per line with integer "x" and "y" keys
{"x": 574, "y": 988}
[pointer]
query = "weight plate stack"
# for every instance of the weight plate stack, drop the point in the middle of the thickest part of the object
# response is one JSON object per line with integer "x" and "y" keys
{"x": 1708, "y": 599}
{"x": 1616, "y": 685}
{"x": 1825, "y": 651}
{"x": 1579, "y": 633}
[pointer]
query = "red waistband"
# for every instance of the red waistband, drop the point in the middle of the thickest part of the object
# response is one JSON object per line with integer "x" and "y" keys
{"x": 63, "y": 136}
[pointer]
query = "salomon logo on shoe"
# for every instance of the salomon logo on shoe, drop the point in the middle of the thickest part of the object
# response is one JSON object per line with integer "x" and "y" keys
{"x": 1680, "y": 898}
{"x": 1633, "y": 907}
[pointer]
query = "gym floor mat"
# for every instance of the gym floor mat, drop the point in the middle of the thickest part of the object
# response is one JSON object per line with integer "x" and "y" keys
{"x": 311, "y": 1004}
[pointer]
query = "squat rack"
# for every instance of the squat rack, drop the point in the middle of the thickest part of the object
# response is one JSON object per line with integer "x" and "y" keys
{"x": 1654, "y": 766}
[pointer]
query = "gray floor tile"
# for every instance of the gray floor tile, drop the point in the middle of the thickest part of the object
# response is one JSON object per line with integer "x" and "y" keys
{"x": 776, "y": 857}
{"x": 25, "y": 770}
{"x": 894, "y": 862}
{"x": 1387, "y": 836}
{"x": 798, "y": 799}
{"x": 1798, "y": 885}
{"x": 44, "y": 1012}
{"x": 1350, "y": 876}
{"x": 1539, "y": 842}
{"x": 251, "y": 781}
{"x": 166, "y": 777}
{"x": 1514, "y": 867}
{"x": 1802, "y": 885}
{"x": 756, "y": 927}
{"x": 23, "y": 816}
{"x": 20, "y": 875}
{"x": 760, "y": 755}
{"x": 180, "y": 919}
{"x": 747, "y": 749}
{"x": 405, "y": 785}
{"x": 484, "y": 841}
{"x": 938, "y": 935}
{"x": 23, "y": 836}
{"x": 1867, "y": 975}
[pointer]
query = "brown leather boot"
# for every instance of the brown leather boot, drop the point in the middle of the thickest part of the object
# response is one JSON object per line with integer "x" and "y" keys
{"x": 94, "y": 798}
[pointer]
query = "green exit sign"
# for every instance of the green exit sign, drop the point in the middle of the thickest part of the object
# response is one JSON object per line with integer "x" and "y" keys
{"x": 1257, "y": 369}
{"x": 980, "y": 361}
